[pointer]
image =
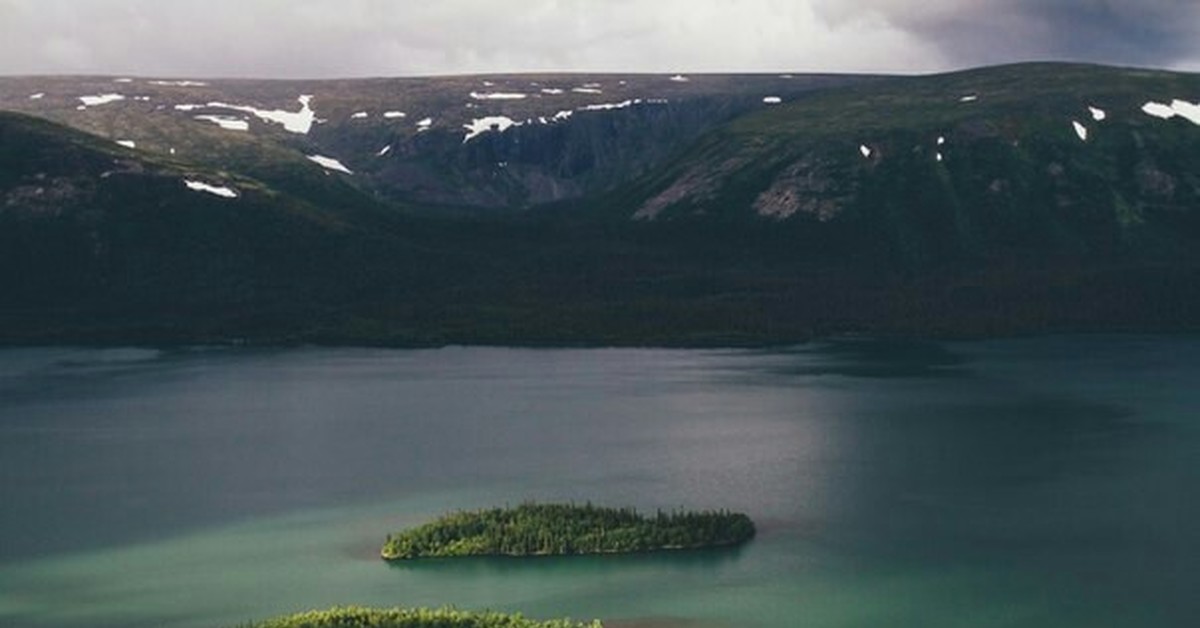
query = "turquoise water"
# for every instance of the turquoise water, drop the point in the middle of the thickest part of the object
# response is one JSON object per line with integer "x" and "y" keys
{"x": 1021, "y": 483}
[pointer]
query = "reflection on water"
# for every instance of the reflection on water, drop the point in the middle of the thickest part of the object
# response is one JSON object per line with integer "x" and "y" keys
{"x": 665, "y": 622}
{"x": 868, "y": 358}
{"x": 1019, "y": 483}
{"x": 566, "y": 566}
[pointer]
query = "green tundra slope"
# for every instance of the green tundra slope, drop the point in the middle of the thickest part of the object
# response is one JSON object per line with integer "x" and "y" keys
{"x": 97, "y": 239}
{"x": 1049, "y": 159}
{"x": 1028, "y": 198}
{"x": 493, "y": 142}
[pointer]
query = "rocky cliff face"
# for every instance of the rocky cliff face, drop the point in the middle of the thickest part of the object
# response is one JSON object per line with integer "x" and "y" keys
{"x": 535, "y": 164}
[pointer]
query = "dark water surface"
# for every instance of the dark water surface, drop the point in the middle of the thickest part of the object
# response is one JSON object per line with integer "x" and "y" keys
{"x": 1029, "y": 483}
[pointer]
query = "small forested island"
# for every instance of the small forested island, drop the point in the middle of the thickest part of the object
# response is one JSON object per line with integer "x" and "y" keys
{"x": 356, "y": 617}
{"x": 565, "y": 529}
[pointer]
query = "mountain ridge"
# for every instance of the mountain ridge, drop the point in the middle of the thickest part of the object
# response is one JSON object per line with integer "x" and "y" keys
{"x": 555, "y": 129}
{"x": 963, "y": 204}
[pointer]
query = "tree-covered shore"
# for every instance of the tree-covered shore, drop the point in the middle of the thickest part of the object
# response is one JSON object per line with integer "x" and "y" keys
{"x": 565, "y": 529}
{"x": 357, "y": 617}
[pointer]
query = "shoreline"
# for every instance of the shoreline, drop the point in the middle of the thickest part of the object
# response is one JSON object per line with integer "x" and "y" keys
{"x": 137, "y": 341}
{"x": 668, "y": 549}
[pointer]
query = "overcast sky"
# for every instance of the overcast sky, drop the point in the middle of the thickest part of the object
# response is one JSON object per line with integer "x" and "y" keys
{"x": 332, "y": 38}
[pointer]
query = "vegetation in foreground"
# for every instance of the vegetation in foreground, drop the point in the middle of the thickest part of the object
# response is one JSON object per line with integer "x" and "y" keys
{"x": 356, "y": 617}
{"x": 562, "y": 529}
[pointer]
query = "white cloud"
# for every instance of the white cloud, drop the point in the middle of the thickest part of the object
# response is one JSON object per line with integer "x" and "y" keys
{"x": 314, "y": 38}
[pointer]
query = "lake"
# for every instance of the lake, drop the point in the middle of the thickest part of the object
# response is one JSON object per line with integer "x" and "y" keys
{"x": 1042, "y": 482}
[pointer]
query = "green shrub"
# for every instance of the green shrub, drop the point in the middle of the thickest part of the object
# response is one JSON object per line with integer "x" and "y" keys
{"x": 356, "y": 617}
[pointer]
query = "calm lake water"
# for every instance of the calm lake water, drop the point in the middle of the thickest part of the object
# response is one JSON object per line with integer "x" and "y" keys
{"x": 1024, "y": 483}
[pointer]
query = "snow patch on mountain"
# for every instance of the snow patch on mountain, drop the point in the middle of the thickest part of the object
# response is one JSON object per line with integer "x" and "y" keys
{"x": 300, "y": 122}
{"x": 1190, "y": 111}
{"x": 498, "y": 95}
{"x": 1178, "y": 107}
{"x": 1158, "y": 110}
{"x": 100, "y": 99}
{"x": 479, "y": 126}
{"x": 179, "y": 83}
{"x": 216, "y": 190}
{"x": 610, "y": 106}
{"x": 228, "y": 123}
{"x": 329, "y": 163}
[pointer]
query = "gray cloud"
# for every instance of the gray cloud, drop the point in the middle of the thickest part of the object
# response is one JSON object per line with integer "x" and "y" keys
{"x": 972, "y": 32}
{"x": 321, "y": 38}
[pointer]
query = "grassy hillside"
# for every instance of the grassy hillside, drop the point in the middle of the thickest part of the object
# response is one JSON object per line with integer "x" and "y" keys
{"x": 96, "y": 237}
{"x": 831, "y": 212}
{"x": 404, "y": 139}
{"x": 965, "y": 166}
